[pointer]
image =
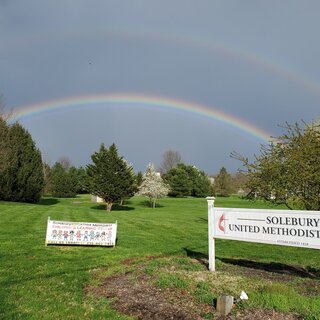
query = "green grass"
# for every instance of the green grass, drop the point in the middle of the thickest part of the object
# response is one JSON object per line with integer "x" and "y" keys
{"x": 39, "y": 282}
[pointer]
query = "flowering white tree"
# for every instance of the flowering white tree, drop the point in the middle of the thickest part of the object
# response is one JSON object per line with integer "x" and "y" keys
{"x": 152, "y": 186}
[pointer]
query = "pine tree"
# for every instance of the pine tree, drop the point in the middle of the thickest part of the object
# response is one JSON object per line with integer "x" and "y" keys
{"x": 62, "y": 184}
{"x": 187, "y": 180}
{"x": 111, "y": 178}
{"x": 179, "y": 182}
{"x": 23, "y": 176}
{"x": 152, "y": 186}
{"x": 222, "y": 183}
{"x": 79, "y": 179}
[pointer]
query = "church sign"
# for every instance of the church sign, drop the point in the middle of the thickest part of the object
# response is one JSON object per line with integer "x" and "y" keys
{"x": 81, "y": 233}
{"x": 282, "y": 227}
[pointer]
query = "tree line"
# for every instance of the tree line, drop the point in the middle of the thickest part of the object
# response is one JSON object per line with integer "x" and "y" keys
{"x": 286, "y": 172}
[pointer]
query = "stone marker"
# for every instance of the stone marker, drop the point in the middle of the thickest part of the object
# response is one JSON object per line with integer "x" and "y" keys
{"x": 224, "y": 304}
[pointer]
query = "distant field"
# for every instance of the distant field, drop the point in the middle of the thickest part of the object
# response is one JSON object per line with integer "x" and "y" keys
{"x": 39, "y": 282}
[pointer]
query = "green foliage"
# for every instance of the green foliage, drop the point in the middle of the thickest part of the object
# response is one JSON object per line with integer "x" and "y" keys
{"x": 288, "y": 170}
{"x": 62, "y": 183}
{"x": 179, "y": 182}
{"x": 222, "y": 184}
{"x": 21, "y": 168}
{"x": 111, "y": 178}
{"x": 187, "y": 180}
{"x": 139, "y": 178}
{"x": 80, "y": 179}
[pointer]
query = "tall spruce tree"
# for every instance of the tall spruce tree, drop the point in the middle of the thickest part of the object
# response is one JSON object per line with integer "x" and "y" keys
{"x": 61, "y": 182}
{"x": 21, "y": 165}
{"x": 111, "y": 178}
{"x": 187, "y": 180}
{"x": 222, "y": 183}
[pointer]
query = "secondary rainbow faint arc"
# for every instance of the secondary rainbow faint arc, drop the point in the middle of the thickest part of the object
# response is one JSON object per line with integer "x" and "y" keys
{"x": 143, "y": 100}
{"x": 188, "y": 40}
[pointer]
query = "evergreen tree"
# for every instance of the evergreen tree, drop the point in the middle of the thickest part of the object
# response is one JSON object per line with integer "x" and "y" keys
{"x": 22, "y": 178}
{"x": 179, "y": 182}
{"x": 139, "y": 178}
{"x": 152, "y": 186}
{"x": 62, "y": 184}
{"x": 222, "y": 183}
{"x": 47, "y": 178}
{"x": 187, "y": 180}
{"x": 80, "y": 179}
{"x": 5, "y": 161}
{"x": 111, "y": 178}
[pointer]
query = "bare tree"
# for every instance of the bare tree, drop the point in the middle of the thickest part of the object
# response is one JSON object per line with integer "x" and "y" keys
{"x": 65, "y": 162}
{"x": 170, "y": 160}
{"x": 5, "y": 115}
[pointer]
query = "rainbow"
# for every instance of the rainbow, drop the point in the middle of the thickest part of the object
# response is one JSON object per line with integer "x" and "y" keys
{"x": 191, "y": 41}
{"x": 137, "y": 101}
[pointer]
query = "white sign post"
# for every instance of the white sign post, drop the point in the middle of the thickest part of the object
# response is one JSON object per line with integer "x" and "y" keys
{"x": 81, "y": 233}
{"x": 212, "y": 264}
{"x": 295, "y": 228}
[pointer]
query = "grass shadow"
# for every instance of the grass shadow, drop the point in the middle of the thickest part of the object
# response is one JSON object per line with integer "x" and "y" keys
{"x": 204, "y": 220}
{"x": 48, "y": 201}
{"x": 275, "y": 267}
{"x": 199, "y": 256}
{"x": 115, "y": 207}
{"x": 146, "y": 203}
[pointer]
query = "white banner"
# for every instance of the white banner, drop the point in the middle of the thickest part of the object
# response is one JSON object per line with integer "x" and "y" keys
{"x": 283, "y": 227}
{"x": 81, "y": 233}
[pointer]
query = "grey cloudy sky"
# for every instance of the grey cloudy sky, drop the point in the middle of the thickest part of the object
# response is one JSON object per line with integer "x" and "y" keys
{"x": 253, "y": 60}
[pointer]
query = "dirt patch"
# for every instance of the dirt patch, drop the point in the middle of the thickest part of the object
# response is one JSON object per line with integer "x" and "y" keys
{"x": 135, "y": 294}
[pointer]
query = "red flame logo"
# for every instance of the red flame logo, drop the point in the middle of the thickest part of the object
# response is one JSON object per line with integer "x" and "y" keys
{"x": 221, "y": 227}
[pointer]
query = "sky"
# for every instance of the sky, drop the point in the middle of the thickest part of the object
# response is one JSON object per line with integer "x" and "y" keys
{"x": 204, "y": 78}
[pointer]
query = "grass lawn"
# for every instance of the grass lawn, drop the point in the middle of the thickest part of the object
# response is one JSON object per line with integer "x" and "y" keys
{"x": 39, "y": 282}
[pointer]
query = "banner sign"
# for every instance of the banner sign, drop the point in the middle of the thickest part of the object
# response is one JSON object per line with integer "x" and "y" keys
{"x": 283, "y": 227}
{"x": 81, "y": 233}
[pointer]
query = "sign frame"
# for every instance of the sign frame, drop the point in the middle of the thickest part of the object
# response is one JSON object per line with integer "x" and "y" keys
{"x": 295, "y": 228}
{"x": 81, "y": 233}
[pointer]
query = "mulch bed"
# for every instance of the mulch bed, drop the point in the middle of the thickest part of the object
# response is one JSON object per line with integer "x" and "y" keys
{"x": 133, "y": 293}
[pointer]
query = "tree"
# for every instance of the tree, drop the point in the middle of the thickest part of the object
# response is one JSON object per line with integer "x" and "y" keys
{"x": 287, "y": 171}
{"x": 61, "y": 182}
{"x": 65, "y": 162}
{"x": 80, "y": 179}
{"x": 5, "y": 161}
{"x": 21, "y": 168}
{"x": 139, "y": 177}
{"x": 170, "y": 160}
{"x": 111, "y": 178}
{"x": 47, "y": 178}
{"x": 199, "y": 180}
{"x": 222, "y": 183}
{"x": 187, "y": 180}
{"x": 5, "y": 115}
{"x": 239, "y": 182}
{"x": 152, "y": 186}
{"x": 179, "y": 182}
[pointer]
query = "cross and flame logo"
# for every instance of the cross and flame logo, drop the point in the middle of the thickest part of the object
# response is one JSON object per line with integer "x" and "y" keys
{"x": 221, "y": 223}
